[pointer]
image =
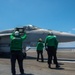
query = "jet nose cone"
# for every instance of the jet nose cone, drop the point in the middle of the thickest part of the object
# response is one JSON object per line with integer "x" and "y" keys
{"x": 66, "y": 37}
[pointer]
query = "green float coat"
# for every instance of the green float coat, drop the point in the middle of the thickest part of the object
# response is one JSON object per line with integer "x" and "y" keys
{"x": 16, "y": 42}
{"x": 51, "y": 41}
{"x": 40, "y": 46}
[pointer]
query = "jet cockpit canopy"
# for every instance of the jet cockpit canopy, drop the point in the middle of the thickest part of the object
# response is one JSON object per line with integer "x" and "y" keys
{"x": 30, "y": 27}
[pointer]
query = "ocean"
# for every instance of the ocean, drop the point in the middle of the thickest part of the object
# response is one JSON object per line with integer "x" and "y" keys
{"x": 66, "y": 49}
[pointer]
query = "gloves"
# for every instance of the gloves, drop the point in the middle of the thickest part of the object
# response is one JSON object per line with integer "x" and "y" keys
{"x": 46, "y": 48}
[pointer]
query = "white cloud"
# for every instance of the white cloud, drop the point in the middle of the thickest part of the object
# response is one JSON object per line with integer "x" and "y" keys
{"x": 73, "y": 28}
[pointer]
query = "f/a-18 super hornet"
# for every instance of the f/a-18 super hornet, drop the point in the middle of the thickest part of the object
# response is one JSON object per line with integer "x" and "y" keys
{"x": 33, "y": 34}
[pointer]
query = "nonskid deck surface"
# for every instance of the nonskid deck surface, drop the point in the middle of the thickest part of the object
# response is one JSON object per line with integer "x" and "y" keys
{"x": 32, "y": 67}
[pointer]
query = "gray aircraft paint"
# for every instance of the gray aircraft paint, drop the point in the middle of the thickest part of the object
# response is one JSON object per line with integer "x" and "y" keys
{"x": 33, "y": 34}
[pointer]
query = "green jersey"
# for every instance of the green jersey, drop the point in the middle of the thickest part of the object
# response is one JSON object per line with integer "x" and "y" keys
{"x": 40, "y": 46}
{"x": 51, "y": 41}
{"x": 16, "y": 42}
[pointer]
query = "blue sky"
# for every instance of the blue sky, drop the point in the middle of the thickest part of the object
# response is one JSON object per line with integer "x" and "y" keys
{"x": 50, "y": 14}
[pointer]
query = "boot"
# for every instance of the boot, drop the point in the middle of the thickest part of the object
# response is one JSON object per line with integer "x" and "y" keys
{"x": 13, "y": 74}
{"x": 49, "y": 66}
{"x": 57, "y": 66}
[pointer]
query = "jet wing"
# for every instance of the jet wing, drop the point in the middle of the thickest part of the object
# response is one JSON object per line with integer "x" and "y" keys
{"x": 5, "y": 34}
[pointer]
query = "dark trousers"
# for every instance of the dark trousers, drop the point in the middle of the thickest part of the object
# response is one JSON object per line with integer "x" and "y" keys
{"x": 52, "y": 55}
{"x": 19, "y": 56}
{"x": 40, "y": 53}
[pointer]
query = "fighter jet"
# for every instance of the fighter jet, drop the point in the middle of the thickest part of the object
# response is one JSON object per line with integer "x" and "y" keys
{"x": 33, "y": 34}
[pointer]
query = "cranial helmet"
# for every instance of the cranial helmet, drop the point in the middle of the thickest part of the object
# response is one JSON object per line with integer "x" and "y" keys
{"x": 50, "y": 33}
{"x": 40, "y": 39}
{"x": 16, "y": 33}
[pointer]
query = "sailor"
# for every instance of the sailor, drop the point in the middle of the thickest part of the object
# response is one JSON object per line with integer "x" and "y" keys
{"x": 51, "y": 44}
{"x": 40, "y": 50}
{"x": 16, "y": 51}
